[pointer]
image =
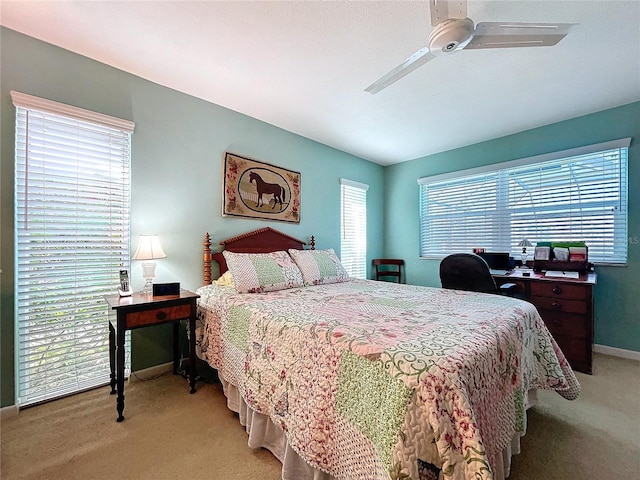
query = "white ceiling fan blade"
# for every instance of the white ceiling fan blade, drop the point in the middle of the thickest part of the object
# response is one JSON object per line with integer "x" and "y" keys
{"x": 442, "y": 10}
{"x": 507, "y": 35}
{"x": 416, "y": 60}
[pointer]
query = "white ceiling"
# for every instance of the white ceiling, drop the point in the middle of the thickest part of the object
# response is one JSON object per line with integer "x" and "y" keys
{"x": 303, "y": 66}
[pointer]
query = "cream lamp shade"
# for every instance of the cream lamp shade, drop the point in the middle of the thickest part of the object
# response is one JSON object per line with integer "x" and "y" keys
{"x": 149, "y": 249}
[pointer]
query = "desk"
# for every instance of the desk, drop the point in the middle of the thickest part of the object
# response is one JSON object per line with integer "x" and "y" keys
{"x": 566, "y": 306}
{"x": 138, "y": 311}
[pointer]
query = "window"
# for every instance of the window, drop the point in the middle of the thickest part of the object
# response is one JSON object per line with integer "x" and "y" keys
{"x": 72, "y": 238}
{"x": 353, "y": 227}
{"x": 580, "y": 195}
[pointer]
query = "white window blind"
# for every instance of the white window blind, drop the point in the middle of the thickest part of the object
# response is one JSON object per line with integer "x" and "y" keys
{"x": 72, "y": 237}
{"x": 577, "y": 195}
{"x": 353, "y": 227}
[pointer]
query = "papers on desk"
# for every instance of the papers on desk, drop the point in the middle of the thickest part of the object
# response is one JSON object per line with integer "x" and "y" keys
{"x": 562, "y": 274}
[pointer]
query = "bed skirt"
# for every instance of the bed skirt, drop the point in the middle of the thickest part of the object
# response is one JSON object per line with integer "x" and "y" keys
{"x": 263, "y": 433}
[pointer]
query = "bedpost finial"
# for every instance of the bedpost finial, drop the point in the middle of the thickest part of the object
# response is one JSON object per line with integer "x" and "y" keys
{"x": 206, "y": 260}
{"x": 313, "y": 242}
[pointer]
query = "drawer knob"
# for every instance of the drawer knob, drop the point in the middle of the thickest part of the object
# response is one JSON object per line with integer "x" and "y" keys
{"x": 557, "y": 290}
{"x": 556, "y": 305}
{"x": 161, "y": 315}
{"x": 557, "y": 322}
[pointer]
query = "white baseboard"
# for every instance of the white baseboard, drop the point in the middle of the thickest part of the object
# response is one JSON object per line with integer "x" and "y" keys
{"x": 8, "y": 412}
{"x": 617, "y": 352}
{"x": 151, "y": 372}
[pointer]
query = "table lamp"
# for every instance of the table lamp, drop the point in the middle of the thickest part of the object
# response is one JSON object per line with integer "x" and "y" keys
{"x": 148, "y": 249}
{"x": 524, "y": 243}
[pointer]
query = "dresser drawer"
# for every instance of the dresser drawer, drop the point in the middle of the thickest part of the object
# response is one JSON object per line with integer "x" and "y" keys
{"x": 567, "y": 325}
{"x": 564, "y": 290}
{"x": 158, "y": 315}
{"x": 560, "y": 304}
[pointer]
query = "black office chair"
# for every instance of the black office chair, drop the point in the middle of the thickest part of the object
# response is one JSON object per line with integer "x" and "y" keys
{"x": 468, "y": 271}
{"x": 388, "y": 267}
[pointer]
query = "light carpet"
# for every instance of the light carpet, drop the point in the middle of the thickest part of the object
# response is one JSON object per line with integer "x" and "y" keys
{"x": 170, "y": 434}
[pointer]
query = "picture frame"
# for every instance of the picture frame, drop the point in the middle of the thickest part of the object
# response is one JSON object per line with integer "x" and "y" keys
{"x": 259, "y": 190}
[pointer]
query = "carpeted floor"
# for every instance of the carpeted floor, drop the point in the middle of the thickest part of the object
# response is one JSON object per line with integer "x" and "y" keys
{"x": 170, "y": 434}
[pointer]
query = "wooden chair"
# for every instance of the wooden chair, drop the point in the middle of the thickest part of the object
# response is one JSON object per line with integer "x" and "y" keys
{"x": 388, "y": 267}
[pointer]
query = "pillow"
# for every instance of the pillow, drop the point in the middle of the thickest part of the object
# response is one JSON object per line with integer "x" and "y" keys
{"x": 263, "y": 272}
{"x": 319, "y": 267}
{"x": 226, "y": 279}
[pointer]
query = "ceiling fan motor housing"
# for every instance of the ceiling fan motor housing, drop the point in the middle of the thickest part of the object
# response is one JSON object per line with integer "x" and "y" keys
{"x": 451, "y": 35}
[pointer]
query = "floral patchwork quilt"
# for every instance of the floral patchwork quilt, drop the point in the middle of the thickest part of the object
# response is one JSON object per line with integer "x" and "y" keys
{"x": 373, "y": 380}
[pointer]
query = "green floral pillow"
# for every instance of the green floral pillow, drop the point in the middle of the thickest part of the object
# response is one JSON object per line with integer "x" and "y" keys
{"x": 263, "y": 272}
{"x": 319, "y": 267}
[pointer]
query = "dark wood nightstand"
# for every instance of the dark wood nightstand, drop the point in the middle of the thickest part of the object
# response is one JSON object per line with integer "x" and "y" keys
{"x": 138, "y": 311}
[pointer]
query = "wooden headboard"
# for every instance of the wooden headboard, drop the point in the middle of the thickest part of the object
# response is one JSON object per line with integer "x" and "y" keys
{"x": 263, "y": 240}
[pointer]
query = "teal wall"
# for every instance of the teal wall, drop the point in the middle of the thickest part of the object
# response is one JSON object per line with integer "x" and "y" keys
{"x": 617, "y": 316}
{"x": 177, "y": 153}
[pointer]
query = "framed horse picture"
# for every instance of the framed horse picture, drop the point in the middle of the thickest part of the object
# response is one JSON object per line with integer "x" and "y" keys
{"x": 255, "y": 189}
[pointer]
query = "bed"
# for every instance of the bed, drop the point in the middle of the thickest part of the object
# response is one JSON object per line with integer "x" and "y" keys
{"x": 357, "y": 379}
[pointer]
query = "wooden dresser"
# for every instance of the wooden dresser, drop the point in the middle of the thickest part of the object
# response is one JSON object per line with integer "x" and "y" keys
{"x": 566, "y": 306}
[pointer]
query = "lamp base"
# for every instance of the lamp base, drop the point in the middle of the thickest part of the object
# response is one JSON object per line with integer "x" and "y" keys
{"x": 148, "y": 273}
{"x": 148, "y": 287}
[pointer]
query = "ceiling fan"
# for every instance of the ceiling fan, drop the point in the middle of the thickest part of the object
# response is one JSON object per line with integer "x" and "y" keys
{"x": 453, "y": 31}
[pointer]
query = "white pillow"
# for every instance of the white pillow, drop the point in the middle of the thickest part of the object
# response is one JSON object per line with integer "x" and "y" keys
{"x": 319, "y": 267}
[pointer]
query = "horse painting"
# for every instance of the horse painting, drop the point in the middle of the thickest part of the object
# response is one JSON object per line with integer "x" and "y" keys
{"x": 263, "y": 188}
{"x": 249, "y": 187}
